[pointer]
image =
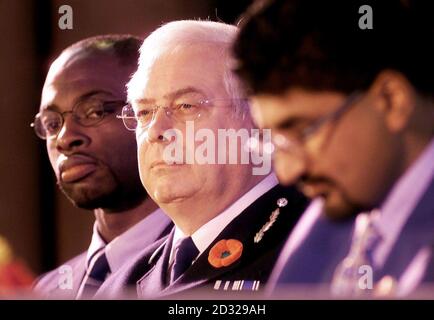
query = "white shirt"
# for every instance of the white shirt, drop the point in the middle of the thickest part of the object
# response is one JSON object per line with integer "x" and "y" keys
{"x": 127, "y": 245}
{"x": 206, "y": 234}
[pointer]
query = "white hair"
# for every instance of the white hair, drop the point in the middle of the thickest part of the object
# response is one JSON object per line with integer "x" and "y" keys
{"x": 176, "y": 35}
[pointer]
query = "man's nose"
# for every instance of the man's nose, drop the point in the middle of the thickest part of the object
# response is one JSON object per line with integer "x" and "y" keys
{"x": 160, "y": 123}
{"x": 71, "y": 136}
{"x": 289, "y": 167}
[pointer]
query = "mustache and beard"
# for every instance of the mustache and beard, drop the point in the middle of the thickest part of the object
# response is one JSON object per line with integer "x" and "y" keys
{"x": 338, "y": 204}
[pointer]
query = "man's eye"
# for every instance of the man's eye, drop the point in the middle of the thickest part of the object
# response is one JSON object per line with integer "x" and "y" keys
{"x": 186, "y": 107}
{"x": 144, "y": 114}
{"x": 94, "y": 113}
{"x": 51, "y": 126}
{"x": 293, "y": 125}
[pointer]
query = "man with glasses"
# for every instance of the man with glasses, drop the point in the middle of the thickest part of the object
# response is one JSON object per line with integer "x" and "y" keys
{"x": 352, "y": 117}
{"x": 94, "y": 159}
{"x": 229, "y": 223}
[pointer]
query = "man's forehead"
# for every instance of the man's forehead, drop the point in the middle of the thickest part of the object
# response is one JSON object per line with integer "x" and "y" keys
{"x": 182, "y": 92}
{"x": 270, "y": 109}
{"x": 67, "y": 84}
{"x": 176, "y": 72}
{"x": 183, "y": 51}
{"x": 72, "y": 63}
{"x": 70, "y": 93}
{"x": 65, "y": 60}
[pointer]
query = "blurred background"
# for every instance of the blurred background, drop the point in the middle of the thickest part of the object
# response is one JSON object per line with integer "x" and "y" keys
{"x": 41, "y": 225}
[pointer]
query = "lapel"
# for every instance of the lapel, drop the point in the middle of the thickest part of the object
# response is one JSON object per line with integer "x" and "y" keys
{"x": 78, "y": 270}
{"x": 417, "y": 233}
{"x": 316, "y": 257}
{"x": 153, "y": 281}
{"x": 122, "y": 284}
{"x": 257, "y": 258}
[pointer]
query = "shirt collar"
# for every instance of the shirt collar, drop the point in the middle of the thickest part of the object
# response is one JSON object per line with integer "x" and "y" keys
{"x": 206, "y": 234}
{"x": 128, "y": 244}
{"x": 401, "y": 201}
{"x": 96, "y": 244}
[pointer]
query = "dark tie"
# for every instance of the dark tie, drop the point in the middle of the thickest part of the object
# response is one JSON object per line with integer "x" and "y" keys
{"x": 95, "y": 275}
{"x": 185, "y": 252}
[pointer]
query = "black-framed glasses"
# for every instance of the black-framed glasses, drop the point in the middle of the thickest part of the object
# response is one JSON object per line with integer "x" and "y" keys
{"x": 48, "y": 123}
{"x": 294, "y": 142}
{"x": 181, "y": 111}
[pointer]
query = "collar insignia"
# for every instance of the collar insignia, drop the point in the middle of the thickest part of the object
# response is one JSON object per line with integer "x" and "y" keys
{"x": 282, "y": 202}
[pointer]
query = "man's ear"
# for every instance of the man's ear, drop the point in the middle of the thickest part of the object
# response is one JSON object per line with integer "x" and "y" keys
{"x": 395, "y": 97}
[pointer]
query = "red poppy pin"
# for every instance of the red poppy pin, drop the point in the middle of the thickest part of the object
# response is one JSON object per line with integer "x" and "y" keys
{"x": 225, "y": 252}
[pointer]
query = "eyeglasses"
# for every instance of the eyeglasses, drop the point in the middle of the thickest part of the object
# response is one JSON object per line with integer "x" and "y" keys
{"x": 90, "y": 112}
{"x": 294, "y": 142}
{"x": 182, "y": 111}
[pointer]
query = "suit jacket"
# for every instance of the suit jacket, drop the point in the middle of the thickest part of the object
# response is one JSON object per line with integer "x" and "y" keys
{"x": 328, "y": 243}
{"x": 53, "y": 285}
{"x": 418, "y": 233}
{"x": 322, "y": 247}
{"x": 254, "y": 264}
